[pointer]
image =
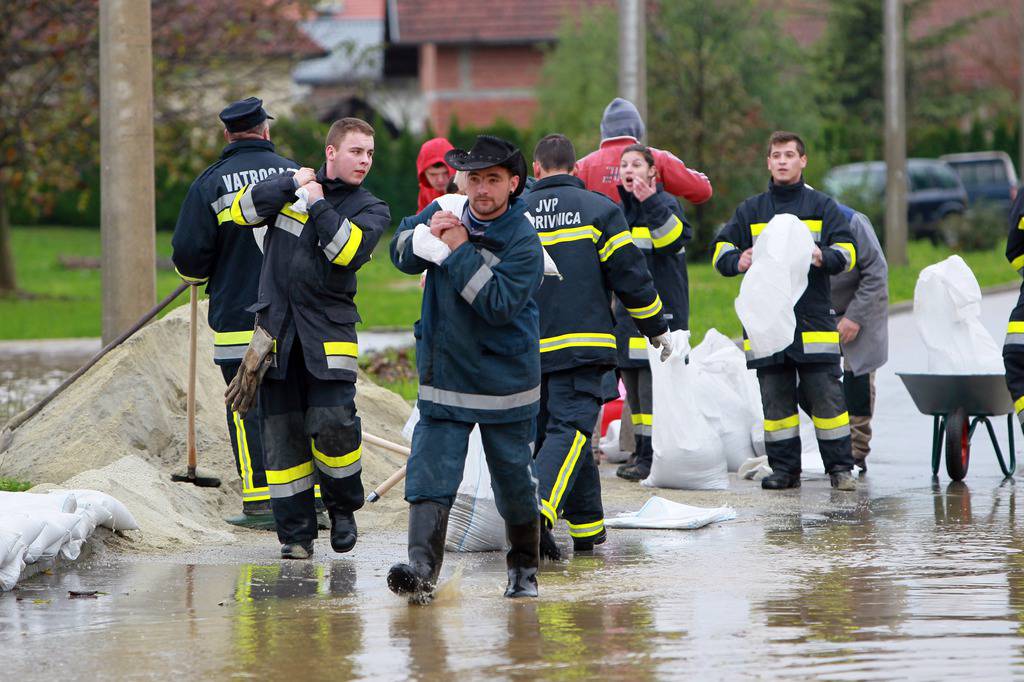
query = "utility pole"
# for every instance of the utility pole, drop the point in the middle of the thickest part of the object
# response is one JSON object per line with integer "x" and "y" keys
{"x": 895, "y": 137}
{"x": 633, "y": 53}
{"x": 127, "y": 210}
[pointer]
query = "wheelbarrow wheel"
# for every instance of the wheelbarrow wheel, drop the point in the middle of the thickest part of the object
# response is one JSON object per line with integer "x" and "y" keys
{"x": 958, "y": 444}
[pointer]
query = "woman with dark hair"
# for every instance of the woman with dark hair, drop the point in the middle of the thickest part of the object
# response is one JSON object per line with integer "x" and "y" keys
{"x": 661, "y": 232}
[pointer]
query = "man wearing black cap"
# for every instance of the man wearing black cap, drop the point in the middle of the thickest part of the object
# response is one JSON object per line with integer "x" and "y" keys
{"x": 477, "y": 345}
{"x": 228, "y": 261}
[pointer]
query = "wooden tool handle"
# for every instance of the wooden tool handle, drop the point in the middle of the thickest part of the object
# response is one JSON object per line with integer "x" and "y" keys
{"x": 387, "y": 485}
{"x": 191, "y": 397}
{"x": 386, "y": 444}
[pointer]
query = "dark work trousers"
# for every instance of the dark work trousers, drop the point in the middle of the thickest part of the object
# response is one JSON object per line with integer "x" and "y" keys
{"x": 860, "y": 401}
{"x": 247, "y": 445}
{"x": 821, "y": 392}
{"x": 1013, "y": 361}
{"x": 568, "y": 479}
{"x": 310, "y": 432}
{"x": 439, "y": 457}
{"x": 640, "y": 394}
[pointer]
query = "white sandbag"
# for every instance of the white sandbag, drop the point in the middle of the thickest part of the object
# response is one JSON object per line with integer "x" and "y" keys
{"x": 754, "y": 469}
{"x": 947, "y": 312}
{"x": 810, "y": 455}
{"x": 610, "y": 443}
{"x": 657, "y": 512}
{"x": 687, "y": 449}
{"x": 474, "y": 524}
{"x": 26, "y": 527}
{"x": 49, "y": 541}
{"x": 25, "y": 501}
{"x": 12, "y": 559}
{"x": 105, "y": 509}
{"x": 730, "y": 398}
{"x": 774, "y": 283}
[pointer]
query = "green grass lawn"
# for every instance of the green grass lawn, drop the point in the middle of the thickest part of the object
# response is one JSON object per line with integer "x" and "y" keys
{"x": 12, "y": 486}
{"x": 63, "y": 303}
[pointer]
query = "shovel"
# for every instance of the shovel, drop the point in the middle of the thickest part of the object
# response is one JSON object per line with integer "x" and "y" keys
{"x": 190, "y": 474}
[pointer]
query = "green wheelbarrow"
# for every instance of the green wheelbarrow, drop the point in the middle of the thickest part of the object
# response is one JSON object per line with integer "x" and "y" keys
{"x": 957, "y": 403}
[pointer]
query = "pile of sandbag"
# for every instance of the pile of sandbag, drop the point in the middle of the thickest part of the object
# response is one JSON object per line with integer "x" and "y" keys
{"x": 42, "y": 527}
{"x": 947, "y": 313}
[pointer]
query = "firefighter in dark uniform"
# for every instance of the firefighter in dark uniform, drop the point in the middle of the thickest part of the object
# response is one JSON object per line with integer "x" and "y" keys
{"x": 1013, "y": 347}
{"x": 476, "y": 352}
{"x": 207, "y": 251}
{"x": 307, "y": 304}
{"x": 588, "y": 238}
{"x": 660, "y": 231}
{"x": 814, "y": 354}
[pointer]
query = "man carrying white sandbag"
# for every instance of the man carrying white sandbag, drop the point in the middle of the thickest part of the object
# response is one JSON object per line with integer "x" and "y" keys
{"x": 814, "y": 353}
{"x": 1013, "y": 347}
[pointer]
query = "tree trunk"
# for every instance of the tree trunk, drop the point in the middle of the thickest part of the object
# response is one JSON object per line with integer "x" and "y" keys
{"x": 8, "y": 282}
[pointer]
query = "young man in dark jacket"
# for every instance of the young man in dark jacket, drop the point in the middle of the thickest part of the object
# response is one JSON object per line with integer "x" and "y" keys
{"x": 307, "y": 304}
{"x": 1013, "y": 347}
{"x": 815, "y": 352}
{"x": 476, "y": 352}
{"x": 588, "y": 238}
{"x": 207, "y": 251}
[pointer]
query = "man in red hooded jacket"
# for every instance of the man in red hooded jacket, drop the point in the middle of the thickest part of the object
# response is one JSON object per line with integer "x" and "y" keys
{"x": 622, "y": 126}
{"x": 433, "y": 172}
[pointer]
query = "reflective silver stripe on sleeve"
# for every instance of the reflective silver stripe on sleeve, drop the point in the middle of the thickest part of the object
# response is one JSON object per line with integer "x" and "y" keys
{"x": 247, "y": 207}
{"x": 638, "y": 353}
{"x": 643, "y": 243}
{"x": 672, "y": 223}
{"x": 477, "y": 401}
{"x": 403, "y": 239}
{"x": 342, "y": 362}
{"x": 811, "y": 348}
{"x": 833, "y": 434}
{"x": 844, "y": 253}
{"x": 222, "y": 203}
{"x": 290, "y": 225}
{"x": 781, "y": 434}
{"x": 294, "y": 488}
{"x": 339, "y": 472}
{"x": 476, "y": 283}
{"x": 229, "y": 352}
{"x": 339, "y": 240}
{"x": 1014, "y": 340}
{"x": 489, "y": 258}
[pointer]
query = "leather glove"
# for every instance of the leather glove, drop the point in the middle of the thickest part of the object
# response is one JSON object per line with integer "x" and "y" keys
{"x": 241, "y": 392}
{"x": 664, "y": 342}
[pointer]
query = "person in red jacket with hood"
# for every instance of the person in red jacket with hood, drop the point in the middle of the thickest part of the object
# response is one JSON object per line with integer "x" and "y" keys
{"x": 622, "y": 126}
{"x": 433, "y": 172}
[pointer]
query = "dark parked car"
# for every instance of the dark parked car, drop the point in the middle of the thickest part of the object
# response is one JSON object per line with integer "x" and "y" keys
{"x": 988, "y": 177}
{"x": 934, "y": 192}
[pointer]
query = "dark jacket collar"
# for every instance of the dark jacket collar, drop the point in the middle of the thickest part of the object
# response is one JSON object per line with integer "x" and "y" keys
{"x": 246, "y": 145}
{"x": 628, "y": 198}
{"x": 332, "y": 185}
{"x": 560, "y": 180}
{"x": 786, "y": 192}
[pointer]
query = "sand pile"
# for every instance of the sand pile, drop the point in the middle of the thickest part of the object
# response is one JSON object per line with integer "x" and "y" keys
{"x": 121, "y": 429}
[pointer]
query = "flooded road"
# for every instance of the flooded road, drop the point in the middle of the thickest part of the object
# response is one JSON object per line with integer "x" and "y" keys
{"x": 909, "y": 578}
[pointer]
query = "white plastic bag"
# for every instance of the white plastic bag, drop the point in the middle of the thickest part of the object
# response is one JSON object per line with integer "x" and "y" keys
{"x": 687, "y": 449}
{"x": 474, "y": 524}
{"x": 24, "y": 502}
{"x": 810, "y": 455}
{"x": 104, "y": 509}
{"x": 774, "y": 283}
{"x": 12, "y": 558}
{"x": 947, "y": 312}
{"x": 658, "y": 512}
{"x": 610, "y": 443}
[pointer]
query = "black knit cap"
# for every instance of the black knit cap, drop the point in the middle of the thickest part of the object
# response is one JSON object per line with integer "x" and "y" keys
{"x": 489, "y": 151}
{"x": 244, "y": 114}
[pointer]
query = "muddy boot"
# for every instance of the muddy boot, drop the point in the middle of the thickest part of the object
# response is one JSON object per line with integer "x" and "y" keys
{"x": 428, "y": 523}
{"x": 780, "y": 481}
{"x": 636, "y": 472}
{"x": 255, "y": 515}
{"x": 548, "y": 548}
{"x": 843, "y": 481}
{"x": 861, "y": 462}
{"x": 343, "y": 531}
{"x": 297, "y": 550}
{"x": 587, "y": 544}
{"x": 522, "y": 559}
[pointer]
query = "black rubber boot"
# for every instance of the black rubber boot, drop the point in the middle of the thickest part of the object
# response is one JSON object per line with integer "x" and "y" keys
{"x": 343, "y": 531}
{"x": 780, "y": 481}
{"x": 523, "y": 558}
{"x": 636, "y": 472}
{"x": 587, "y": 544}
{"x": 428, "y": 523}
{"x": 548, "y": 548}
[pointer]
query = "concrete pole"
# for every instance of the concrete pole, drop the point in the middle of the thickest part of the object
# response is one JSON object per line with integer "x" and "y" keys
{"x": 895, "y": 137}
{"x": 633, "y": 53}
{"x": 127, "y": 209}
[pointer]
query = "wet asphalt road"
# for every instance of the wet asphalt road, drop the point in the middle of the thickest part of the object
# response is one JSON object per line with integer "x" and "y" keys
{"x": 910, "y": 578}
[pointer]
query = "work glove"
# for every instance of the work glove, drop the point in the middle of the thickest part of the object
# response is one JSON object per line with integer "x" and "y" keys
{"x": 664, "y": 342}
{"x": 241, "y": 392}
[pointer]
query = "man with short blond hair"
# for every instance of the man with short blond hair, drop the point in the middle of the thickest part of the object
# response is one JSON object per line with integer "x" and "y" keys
{"x": 307, "y": 304}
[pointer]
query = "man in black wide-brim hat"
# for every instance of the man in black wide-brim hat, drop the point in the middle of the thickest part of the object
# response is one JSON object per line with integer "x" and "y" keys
{"x": 477, "y": 352}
